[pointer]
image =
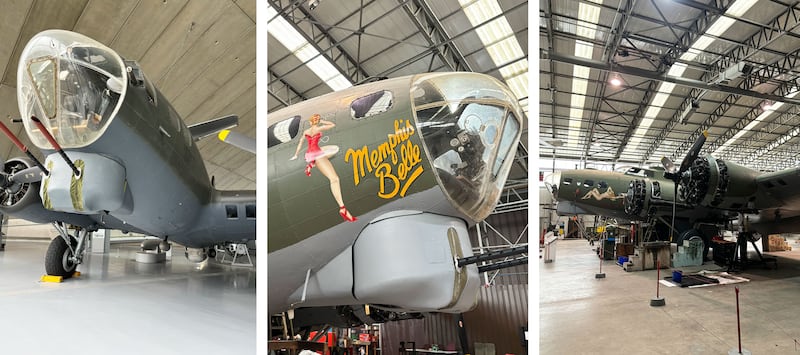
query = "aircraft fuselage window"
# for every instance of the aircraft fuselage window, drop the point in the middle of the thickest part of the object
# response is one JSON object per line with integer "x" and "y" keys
{"x": 588, "y": 183}
{"x": 250, "y": 211}
{"x": 231, "y": 211}
{"x": 602, "y": 184}
{"x": 283, "y": 131}
{"x": 372, "y": 104}
{"x": 656, "y": 189}
{"x": 567, "y": 181}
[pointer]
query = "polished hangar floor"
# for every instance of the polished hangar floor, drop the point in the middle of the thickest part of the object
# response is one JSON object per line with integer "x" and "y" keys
{"x": 119, "y": 306}
{"x": 583, "y": 315}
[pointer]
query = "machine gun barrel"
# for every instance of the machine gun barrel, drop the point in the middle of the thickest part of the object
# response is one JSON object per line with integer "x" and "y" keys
{"x": 492, "y": 255}
{"x": 22, "y": 147}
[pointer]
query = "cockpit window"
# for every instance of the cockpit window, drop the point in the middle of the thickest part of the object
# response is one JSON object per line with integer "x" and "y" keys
{"x": 469, "y": 126}
{"x": 283, "y": 131}
{"x": 43, "y": 70}
{"x": 510, "y": 132}
{"x": 370, "y": 105}
{"x": 73, "y": 84}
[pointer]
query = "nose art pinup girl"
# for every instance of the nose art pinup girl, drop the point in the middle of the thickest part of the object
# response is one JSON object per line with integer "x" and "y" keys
{"x": 319, "y": 158}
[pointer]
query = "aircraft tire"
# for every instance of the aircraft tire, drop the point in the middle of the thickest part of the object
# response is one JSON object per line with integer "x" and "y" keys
{"x": 56, "y": 261}
{"x": 694, "y": 233}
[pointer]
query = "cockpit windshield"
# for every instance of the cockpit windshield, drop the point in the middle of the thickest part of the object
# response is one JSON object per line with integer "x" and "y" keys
{"x": 469, "y": 123}
{"x": 73, "y": 84}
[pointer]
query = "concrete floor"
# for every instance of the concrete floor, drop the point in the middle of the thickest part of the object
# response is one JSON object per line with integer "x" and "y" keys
{"x": 583, "y": 315}
{"x": 119, "y": 306}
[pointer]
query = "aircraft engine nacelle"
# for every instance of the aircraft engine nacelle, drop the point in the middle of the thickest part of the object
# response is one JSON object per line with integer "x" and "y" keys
{"x": 22, "y": 200}
{"x": 720, "y": 184}
{"x": 16, "y": 196}
{"x": 645, "y": 195}
{"x": 636, "y": 198}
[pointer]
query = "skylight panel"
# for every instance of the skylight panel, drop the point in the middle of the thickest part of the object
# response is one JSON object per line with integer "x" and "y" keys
{"x": 677, "y": 70}
{"x": 740, "y": 7}
{"x": 289, "y": 37}
{"x": 583, "y": 49}
{"x": 500, "y": 42}
{"x": 720, "y": 26}
{"x": 286, "y": 34}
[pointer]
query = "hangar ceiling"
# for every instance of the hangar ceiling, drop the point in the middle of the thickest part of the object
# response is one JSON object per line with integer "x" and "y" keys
{"x": 684, "y": 66}
{"x": 200, "y": 54}
{"x": 392, "y": 38}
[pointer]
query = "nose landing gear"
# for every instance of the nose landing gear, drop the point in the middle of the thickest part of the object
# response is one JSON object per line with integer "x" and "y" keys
{"x": 65, "y": 252}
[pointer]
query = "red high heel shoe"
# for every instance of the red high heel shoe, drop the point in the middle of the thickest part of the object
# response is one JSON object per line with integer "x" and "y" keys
{"x": 308, "y": 169}
{"x": 346, "y": 215}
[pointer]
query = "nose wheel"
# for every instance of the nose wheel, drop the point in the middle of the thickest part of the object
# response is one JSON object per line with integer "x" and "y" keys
{"x": 59, "y": 260}
{"x": 65, "y": 252}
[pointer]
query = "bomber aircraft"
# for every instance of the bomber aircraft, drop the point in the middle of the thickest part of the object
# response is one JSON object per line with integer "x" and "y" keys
{"x": 710, "y": 192}
{"x": 117, "y": 156}
{"x": 371, "y": 190}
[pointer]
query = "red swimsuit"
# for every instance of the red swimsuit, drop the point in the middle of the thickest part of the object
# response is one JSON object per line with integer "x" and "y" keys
{"x": 313, "y": 151}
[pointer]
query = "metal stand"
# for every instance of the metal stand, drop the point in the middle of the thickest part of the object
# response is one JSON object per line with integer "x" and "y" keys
{"x": 3, "y": 231}
{"x": 658, "y": 301}
{"x": 601, "y": 275}
{"x": 738, "y": 350}
{"x": 239, "y": 249}
{"x": 739, "y": 260}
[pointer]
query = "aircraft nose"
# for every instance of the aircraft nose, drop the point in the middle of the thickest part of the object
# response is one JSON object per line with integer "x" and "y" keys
{"x": 73, "y": 83}
{"x": 552, "y": 181}
{"x": 470, "y": 124}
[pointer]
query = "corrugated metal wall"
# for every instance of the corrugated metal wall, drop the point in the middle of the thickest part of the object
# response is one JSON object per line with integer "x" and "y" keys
{"x": 499, "y": 318}
{"x": 502, "y": 308}
{"x": 392, "y": 333}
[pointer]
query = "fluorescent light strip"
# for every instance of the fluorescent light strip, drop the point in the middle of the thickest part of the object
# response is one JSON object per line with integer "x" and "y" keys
{"x": 286, "y": 34}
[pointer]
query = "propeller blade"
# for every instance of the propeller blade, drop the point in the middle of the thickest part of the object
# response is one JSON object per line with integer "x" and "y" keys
{"x": 238, "y": 140}
{"x": 693, "y": 153}
{"x": 668, "y": 165}
{"x": 32, "y": 174}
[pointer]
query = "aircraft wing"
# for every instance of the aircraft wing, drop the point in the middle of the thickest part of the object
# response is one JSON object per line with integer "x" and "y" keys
{"x": 782, "y": 186}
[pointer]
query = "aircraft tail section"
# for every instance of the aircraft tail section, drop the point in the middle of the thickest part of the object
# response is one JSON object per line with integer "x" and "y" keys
{"x": 403, "y": 261}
